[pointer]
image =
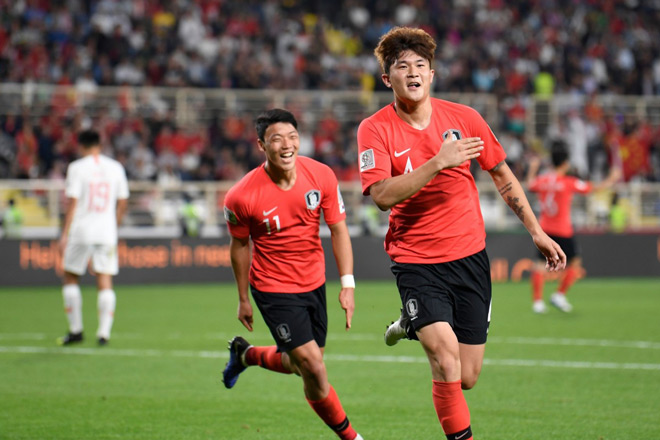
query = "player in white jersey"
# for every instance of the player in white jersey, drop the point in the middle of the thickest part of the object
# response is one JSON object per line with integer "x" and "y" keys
{"x": 97, "y": 195}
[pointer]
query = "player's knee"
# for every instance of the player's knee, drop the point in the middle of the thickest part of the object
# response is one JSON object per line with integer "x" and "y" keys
{"x": 310, "y": 365}
{"x": 312, "y": 368}
{"x": 468, "y": 382}
{"x": 469, "y": 377}
{"x": 445, "y": 367}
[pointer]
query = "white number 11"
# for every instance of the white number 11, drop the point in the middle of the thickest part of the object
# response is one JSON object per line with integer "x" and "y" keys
{"x": 277, "y": 223}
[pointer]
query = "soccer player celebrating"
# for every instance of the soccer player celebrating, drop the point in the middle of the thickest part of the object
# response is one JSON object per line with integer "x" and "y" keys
{"x": 278, "y": 205}
{"x": 414, "y": 157}
{"x": 555, "y": 191}
{"x": 97, "y": 193}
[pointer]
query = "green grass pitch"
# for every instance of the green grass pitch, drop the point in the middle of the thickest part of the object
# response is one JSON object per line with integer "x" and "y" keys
{"x": 591, "y": 374}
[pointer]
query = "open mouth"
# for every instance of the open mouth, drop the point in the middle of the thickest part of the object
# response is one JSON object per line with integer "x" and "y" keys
{"x": 287, "y": 155}
{"x": 413, "y": 85}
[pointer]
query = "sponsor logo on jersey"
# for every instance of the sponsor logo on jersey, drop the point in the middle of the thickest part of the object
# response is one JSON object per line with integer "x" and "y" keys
{"x": 367, "y": 160}
{"x": 283, "y": 332}
{"x": 400, "y": 153}
{"x": 313, "y": 199}
{"x": 267, "y": 213}
{"x": 230, "y": 217}
{"x": 453, "y": 134}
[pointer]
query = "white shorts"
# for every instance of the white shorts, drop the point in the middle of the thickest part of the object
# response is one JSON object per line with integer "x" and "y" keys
{"x": 104, "y": 258}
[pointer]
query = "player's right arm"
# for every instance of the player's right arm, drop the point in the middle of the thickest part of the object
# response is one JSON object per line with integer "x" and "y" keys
{"x": 393, "y": 190}
{"x": 68, "y": 219}
{"x": 72, "y": 191}
{"x": 239, "y": 251}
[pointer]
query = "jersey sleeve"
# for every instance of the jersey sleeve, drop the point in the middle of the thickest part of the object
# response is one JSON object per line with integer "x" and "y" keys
{"x": 332, "y": 202}
{"x": 73, "y": 184}
{"x": 236, "y": 215}
{"x": 493, "y": 153}
{"x": 581, "y": 186}
{"x": 374, "y": 159}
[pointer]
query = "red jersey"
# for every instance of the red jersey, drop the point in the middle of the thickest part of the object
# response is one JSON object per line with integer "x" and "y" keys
{"x": 284, "y": 225}
{"x": 443, "y": 221}
{"x": 555, "y": 193}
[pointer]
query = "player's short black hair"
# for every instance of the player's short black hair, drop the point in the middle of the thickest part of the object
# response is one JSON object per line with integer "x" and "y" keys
{"x": 558, "y": 152}
{"x": 88, "y": 138}
{"x": 273, "y": 116}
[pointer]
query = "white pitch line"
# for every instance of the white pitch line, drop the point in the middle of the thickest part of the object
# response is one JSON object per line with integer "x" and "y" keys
{"x": 579, "y": 342}
{"x": 576, "y": 342}
{"x": 513, "y": 340}
{"x": 106, "y": 351}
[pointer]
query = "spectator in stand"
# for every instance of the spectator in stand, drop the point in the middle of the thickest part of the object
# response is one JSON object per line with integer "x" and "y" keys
{"x": 547, "y": 48}
{"x": 27, "y": 147}
{"x": 630, "y": 144}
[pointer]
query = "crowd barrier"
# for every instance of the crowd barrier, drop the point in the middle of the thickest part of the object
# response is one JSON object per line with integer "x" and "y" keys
{"x": 186, "y": 260}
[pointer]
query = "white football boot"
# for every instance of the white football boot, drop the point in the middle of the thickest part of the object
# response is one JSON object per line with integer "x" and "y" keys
{"x": 558, "y": 300}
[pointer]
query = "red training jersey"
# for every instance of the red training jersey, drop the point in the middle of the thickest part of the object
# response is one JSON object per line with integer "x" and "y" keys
{"x": 284, "y": 225}
{"x": 555, "y": 193}
{"x": 442, "y": 222}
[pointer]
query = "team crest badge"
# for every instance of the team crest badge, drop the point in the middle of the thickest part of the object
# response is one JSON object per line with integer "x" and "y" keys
{"x": 412, "y": 308}
{"x": 283, "y": 332}
{"x": 452, "y": 134}
{"x": 230, "y": 217}
{"x": 313, "y": 199}
{"x": 367, "y": 160}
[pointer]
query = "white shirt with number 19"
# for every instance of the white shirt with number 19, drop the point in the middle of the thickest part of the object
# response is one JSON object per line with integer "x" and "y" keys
{"x": 96, "y": 182}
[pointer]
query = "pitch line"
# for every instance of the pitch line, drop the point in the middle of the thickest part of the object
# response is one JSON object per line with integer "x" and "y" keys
{"x": 106, "y": 351}
{"x": 349, "y": 336}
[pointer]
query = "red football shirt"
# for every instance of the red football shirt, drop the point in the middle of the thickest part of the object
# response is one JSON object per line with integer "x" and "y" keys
{"x": 284, "y": 225}
{"x": 443, "y": 221}
{"x": 555, "y": 194}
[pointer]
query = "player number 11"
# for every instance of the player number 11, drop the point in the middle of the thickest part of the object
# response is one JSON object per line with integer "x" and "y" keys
{"x": 277, "y": 224}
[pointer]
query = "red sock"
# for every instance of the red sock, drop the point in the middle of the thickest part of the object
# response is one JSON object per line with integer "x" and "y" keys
{"x": 266, "y": 357}
{"x": 537, "y": 285}
{"x": 452, "y": 410}
{"x": 570, "y": 275}
{"x": 332, "y": 413}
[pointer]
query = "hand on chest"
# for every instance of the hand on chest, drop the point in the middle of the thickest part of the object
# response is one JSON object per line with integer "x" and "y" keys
{"x": 413, "y": 151}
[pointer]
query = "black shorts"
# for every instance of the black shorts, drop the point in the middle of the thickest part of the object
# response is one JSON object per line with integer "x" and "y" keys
{"x": 457, "y": 292}
{"x": 294, "y": 318}
{"x": 567, "y": 244}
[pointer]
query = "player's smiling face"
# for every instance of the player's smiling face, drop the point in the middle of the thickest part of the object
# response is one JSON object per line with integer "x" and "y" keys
{"x": 410, "y": 77}
{"x": 281, "y": 143}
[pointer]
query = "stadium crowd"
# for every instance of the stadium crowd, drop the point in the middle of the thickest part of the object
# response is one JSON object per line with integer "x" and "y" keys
{"x": 513, "y": 50}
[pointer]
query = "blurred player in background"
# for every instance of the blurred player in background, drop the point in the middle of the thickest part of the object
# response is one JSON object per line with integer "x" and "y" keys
{"x": 278, "y": 205}
{"x": 555, "y": 191}
{"x": 97, "y": 194}
{"x": 414, "y": 157}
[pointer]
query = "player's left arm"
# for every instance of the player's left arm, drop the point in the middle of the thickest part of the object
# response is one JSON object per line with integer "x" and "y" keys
{"x": 513, "y": 194}
{"x": 343, "y": 251}
{"x": 122, "y": 206}
{"x": 122, "y": 196}
{"x": 611, "y": 179}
